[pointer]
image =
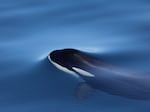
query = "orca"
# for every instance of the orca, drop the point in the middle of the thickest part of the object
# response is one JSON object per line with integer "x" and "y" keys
{"x": 99, "y": 75}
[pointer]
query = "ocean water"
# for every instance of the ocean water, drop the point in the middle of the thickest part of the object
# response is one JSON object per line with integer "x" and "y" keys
{"x": 118, "y": 31}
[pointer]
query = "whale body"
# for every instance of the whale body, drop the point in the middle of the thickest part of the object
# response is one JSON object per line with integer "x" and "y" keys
{"x": 100, "y": 75}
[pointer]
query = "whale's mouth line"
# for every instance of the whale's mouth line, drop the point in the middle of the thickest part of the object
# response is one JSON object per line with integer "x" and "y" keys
{"x": 83, "y": 72}
{"x": 63, "y": 68}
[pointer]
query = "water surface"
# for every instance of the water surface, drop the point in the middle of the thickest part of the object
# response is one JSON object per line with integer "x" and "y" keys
{"x": 118, "y": 31}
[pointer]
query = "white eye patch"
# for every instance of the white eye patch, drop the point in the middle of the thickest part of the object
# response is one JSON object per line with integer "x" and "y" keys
{"x": 83, "y": 72}
{"x": 62, "y": 68}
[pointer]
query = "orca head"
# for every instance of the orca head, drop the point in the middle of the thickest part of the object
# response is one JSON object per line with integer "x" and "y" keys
{"x": 64, "y": 59}
{"x": 70, "y": 61}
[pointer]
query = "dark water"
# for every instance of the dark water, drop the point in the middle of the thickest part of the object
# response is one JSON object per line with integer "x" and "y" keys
{"x": 118, "y": 31}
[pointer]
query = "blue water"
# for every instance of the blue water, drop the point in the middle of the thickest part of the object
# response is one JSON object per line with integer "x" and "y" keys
{"x": 118, "y": 31}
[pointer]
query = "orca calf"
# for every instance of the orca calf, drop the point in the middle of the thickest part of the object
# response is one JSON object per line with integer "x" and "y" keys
{"x": 99, "y": 75}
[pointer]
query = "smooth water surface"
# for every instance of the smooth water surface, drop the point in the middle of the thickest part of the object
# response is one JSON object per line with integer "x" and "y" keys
{"x": 118, "y": 31}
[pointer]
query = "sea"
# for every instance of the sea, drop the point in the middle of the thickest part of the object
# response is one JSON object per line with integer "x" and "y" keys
{"x": 118, "y": 31}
